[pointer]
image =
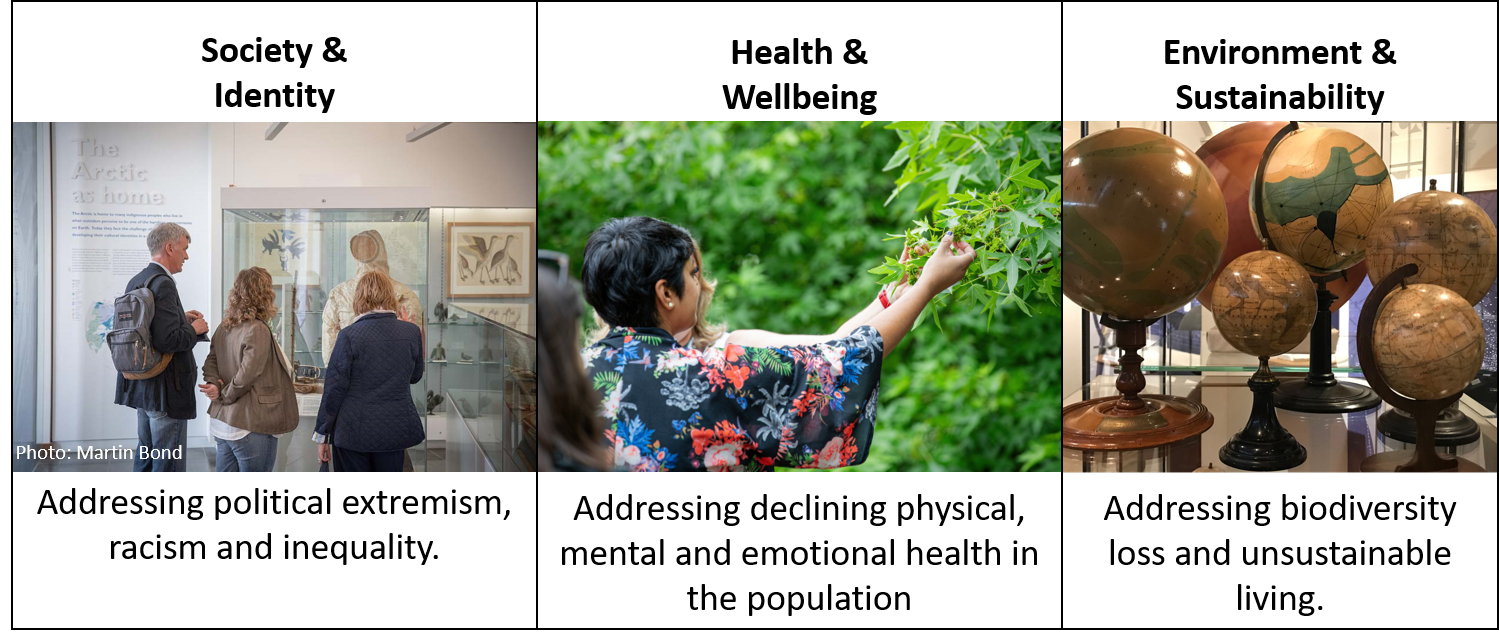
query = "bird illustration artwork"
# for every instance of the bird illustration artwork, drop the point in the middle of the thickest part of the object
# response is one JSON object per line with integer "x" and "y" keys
{"x": 477, "y": 249}
{"x": 511, "y": 272}
{"x": 282, "y": 242}
{"x": 497, "y": 258}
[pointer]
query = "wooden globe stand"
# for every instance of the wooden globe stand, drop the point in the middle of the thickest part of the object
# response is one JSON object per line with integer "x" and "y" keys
{"x": 1425, "y": 412}
{"x": 1131, "y": 421}
{"x": 1263, "y": 444}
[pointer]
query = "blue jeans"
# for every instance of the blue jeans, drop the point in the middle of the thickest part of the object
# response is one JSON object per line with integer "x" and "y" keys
{"x": 254, "y": 452}
{"x": 165, "y": 440}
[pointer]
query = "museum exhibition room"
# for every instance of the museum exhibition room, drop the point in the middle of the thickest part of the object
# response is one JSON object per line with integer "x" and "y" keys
{"x": 445, "y": 210}
{"x": 1278, "y": 296}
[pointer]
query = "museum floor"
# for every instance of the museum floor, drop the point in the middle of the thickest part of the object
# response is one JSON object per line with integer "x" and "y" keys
{"x": 295, "y": 451}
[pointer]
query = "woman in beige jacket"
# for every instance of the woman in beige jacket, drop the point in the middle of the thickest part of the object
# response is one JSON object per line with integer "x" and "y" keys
{"x": 248, "y": 378}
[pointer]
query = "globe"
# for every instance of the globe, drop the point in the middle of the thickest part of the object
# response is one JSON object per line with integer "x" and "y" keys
{"x": 1428, "y": 342}
{"x": 1233, "y": 155}
{"x": 1264, "y": 303}
{"x": 1143, "y": 224}
{"x": 1324, "y": 189}
{"x": 1447, "y": 236}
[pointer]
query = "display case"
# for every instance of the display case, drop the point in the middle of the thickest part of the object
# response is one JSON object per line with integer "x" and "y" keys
{"x": 316, "y": 243}
{"x": 482, "y": 375}
{"x": 1186, "y": 342}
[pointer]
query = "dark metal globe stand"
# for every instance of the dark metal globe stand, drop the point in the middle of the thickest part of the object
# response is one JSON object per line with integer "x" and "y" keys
{"x": 1453, "y": 429}
{"x": 1263, "y": 444}
{"x": 1425, "y": 412}
{"x": 1320, "y": 392}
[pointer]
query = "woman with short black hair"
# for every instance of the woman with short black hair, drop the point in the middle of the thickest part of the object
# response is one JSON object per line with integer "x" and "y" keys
{"x": 757, "y": 401}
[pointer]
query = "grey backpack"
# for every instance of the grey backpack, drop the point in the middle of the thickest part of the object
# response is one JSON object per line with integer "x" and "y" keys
{"x": 130, "y": 338}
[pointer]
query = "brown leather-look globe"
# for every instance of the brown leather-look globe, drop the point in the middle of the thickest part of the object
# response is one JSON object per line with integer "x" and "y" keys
{"x": 1449, "y": 237}
{"x": 1143, "y": 224}
{"x": 1264, "y": 303}
{"x": 1428, "y": 342}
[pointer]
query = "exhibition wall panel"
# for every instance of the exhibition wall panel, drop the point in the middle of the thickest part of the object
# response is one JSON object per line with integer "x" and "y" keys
{"x": 111, "y": 183}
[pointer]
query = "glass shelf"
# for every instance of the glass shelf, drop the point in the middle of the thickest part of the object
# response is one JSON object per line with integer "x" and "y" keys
{"x": 1183, "y": 368}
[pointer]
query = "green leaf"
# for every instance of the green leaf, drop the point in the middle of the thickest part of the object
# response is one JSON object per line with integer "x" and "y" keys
{"x": 907, "y": 125}
{"x": 1025, "y": 181}
{"x": 1012, "y": 274}
{"x": 900, "y": 156}
{"x": 955, "y": 178}
{"x": 1025, "y": 170}
{"x": 994, "y": 268}
{"x": 1053, "y": 236}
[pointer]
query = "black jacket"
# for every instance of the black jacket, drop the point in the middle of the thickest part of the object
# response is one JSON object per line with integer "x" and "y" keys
{"x": 174, "y": 389}
{"x": 367, "y": 404}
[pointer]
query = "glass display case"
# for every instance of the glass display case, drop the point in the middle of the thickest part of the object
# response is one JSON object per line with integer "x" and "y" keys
{"x": 482, "y": 408}
{"x": 1186, "y": 342}
{"x": 315, "y": 256}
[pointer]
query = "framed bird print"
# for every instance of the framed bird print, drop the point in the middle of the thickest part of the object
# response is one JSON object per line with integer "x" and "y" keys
{"x": 490, "y": 259}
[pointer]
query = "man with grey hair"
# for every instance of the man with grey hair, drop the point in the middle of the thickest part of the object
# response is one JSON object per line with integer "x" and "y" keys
{"x": 163, "y": 404}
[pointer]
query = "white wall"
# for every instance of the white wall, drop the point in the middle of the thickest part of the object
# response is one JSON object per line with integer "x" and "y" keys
{"x": 473, "y": 165}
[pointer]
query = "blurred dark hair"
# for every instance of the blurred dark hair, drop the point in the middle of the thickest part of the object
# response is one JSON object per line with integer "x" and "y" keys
{"x": 571, "y": 431}
{"x": 622, "y": 263}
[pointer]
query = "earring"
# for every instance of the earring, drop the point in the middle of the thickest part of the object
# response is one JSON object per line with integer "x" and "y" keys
{"x": 671, "y": 304}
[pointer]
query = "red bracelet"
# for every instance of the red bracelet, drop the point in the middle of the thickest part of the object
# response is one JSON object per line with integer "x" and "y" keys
{"x": 884, "y": 300}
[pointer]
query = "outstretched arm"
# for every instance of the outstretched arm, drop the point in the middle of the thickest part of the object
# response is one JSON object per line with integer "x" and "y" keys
{"x": 765, "y": 339}
{"x": 874, "y": 307}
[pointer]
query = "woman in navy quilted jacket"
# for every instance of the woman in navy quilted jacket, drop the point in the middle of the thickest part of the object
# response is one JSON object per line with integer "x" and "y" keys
{"x": 367, "y": 413}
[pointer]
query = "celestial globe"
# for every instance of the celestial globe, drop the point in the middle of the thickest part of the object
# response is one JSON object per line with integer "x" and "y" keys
{"x": 1447, "y": 236}
{"x": 1264, "y": 303}
{"x": 1324, "y": 189}
{"x": 1233, "y": 155}
{"x": 1143, "y": 224}
{"x": 1428, "y": 342}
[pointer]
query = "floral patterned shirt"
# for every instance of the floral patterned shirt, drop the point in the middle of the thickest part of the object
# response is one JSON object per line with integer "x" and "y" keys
{"x": 736, "y": 408}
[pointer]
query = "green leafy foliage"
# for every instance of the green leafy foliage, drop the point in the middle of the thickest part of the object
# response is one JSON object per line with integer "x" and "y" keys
{"x": 791, "y": 217}
{"x": 975, "y": 180}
